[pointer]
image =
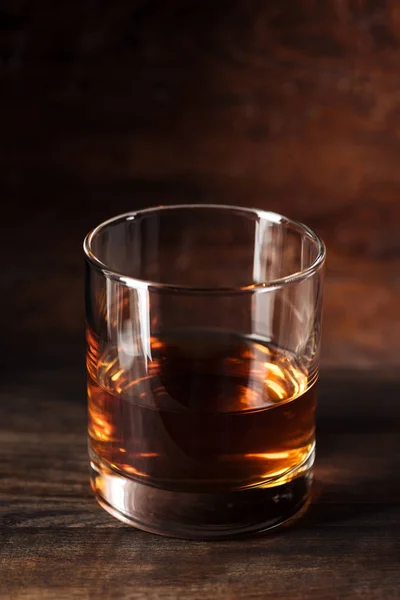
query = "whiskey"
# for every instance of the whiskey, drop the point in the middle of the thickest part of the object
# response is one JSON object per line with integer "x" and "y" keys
{"x": 200, "y": 411}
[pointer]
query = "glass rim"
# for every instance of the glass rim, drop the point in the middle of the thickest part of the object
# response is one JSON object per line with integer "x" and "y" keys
{"x": 271, "y": 216}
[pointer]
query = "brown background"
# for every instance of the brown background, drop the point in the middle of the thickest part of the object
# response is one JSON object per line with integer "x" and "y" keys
{"x": 292, "y": 106}
{"x": 113, "y": 105}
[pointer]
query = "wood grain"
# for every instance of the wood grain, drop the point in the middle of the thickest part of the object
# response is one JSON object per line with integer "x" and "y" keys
{"x": 292, "y": 107}
{"x": 108, "y": 107}
{"x": 56, "y": 541}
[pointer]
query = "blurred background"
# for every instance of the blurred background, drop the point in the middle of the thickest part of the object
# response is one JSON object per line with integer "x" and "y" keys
{"x": 292, "y": 106}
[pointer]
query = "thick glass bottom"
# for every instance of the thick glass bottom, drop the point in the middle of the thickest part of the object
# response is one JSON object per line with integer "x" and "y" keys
{"x": 203, "y": 515}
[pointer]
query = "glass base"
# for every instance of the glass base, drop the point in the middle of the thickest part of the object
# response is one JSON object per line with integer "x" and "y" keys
{"x": 203, "y": 515}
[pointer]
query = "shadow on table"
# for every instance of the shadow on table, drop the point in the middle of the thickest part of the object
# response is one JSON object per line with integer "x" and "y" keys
{"x": 358, "y": 451}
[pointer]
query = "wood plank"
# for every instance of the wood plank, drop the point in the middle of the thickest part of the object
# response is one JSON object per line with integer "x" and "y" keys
{"x": 128, "y": 564}
{"x": 110, "y": 107}
{"x": 293, "y": 108}
{"x": 57, "y": 541}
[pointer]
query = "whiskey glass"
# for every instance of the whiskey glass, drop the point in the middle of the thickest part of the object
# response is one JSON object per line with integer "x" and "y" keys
{"x": 203, "y": 335}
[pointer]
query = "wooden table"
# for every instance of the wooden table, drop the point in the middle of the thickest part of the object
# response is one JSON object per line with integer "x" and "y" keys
{"x": 56, "y": 542}
{"x": 112, "y": 106}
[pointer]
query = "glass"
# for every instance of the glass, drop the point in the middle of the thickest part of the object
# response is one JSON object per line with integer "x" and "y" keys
{"x": 203, "y": 334}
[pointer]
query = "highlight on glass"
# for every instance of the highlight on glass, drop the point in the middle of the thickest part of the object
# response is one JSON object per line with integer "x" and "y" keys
{"x": 203, "y": 336}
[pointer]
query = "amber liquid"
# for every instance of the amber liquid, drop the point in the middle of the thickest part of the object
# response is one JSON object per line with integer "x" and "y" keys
{"x": 201, "y": 411}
